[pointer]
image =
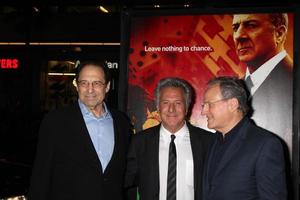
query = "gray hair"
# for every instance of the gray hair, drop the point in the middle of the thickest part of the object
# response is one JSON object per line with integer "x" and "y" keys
{"x": 279, "y": 19}
{"x": 177, "y": 83}
{"x": 232, "y": 87}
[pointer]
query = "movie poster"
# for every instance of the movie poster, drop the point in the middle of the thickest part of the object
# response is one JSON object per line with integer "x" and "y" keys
{"x": 198, "y": 48}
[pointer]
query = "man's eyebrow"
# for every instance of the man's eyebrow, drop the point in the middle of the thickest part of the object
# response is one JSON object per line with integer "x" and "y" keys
{"x": 235, "y": 24}
{"x": 245, "y": 22}
{"x": 250, "y": 20}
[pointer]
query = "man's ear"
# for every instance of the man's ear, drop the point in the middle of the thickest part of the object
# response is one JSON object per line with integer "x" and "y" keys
{"x": 280, "y": 34}
{"x": 107, "y": 87}
{"x": 75, "y": 84}
{"x": 233, "y": 104}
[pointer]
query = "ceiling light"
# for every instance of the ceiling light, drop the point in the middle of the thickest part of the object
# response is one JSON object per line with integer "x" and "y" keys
{"x": 156, "y": 6}
{"x": 103, "y": 9}
{"x": 36, "y": 9}
{"x": 76, "y": 43}
{"x": 12, "y": 43}
{"x": 60, "y": 74}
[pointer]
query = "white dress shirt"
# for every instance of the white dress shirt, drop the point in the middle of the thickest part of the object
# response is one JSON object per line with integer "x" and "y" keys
{"x": 259, "y": 75}
{"x": 185, "y": 164}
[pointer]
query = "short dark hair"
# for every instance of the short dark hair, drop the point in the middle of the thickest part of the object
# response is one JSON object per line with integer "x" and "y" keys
{"x": 102, "y": 65}
{"x": 279, "y": 19}
{"x": 232, "y": 87}
{"x": 177, "y": 83}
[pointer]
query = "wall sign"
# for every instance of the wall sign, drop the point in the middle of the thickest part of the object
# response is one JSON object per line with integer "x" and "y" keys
{"x": 9, "y": 63}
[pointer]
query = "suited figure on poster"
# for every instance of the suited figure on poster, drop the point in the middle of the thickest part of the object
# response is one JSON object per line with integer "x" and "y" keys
{"x": 81, "y": 153}
{"x": 245, "y": 162}
{"x": 166, "y": 162}
{"x": 259, "y": 41}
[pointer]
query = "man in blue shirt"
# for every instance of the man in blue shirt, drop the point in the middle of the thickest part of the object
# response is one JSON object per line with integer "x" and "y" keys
{"x": 82, "y": 149}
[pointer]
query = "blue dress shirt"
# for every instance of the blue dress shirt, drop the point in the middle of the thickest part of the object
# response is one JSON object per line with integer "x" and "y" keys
{"x": 101, "y": 131}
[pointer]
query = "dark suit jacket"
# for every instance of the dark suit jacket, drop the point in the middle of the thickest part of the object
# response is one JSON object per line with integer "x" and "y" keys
{"x": 143, "y": 161}
{"x": 252, "y": 168}
{"x": 273, "y": 101}
{"x": 67, "y": 166}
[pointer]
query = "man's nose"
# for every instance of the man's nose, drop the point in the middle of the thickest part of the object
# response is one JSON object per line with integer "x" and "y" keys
{"x": 90, "y": 87}
{"x": 240, "y": 33}
{"x": 171, "y": 107}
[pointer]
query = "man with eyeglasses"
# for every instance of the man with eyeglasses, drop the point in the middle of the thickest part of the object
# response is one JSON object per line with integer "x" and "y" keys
{"x": 245, "y": 161}
{"x": 81, "y": 152}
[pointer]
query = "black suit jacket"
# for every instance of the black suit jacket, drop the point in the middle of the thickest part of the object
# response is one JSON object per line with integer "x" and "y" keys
{"x": 273, "y": 101}
{"x": 143, "y": 161}
{"x": 252, "y": 168}
{"x": 67, "y": 166}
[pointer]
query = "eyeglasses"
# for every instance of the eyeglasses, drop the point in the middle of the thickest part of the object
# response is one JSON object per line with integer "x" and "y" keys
{"x": 86, "y": 84}
{"x": 210, "y": 104}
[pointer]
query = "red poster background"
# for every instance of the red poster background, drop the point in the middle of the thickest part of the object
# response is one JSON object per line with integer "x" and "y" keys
{"x": 207, "y": 50}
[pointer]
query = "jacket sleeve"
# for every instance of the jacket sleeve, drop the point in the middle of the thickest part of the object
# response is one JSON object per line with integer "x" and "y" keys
{"x": 41, "y": 173}
{"x": 270, "y": 171}
{"x": 132, "y": 164}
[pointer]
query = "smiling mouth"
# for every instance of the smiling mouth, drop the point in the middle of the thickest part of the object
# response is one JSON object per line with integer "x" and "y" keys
{"x": 171, "y": 116}
{"x": 90, "y": 97}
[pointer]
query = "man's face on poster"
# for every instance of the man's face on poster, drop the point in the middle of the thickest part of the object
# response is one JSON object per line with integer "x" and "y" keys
{"x": 255, "y": 38}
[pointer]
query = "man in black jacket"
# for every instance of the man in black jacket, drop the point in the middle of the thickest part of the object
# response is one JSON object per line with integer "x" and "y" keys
{"x": 82, "y": 149}
{"x": 245, "y": 161}
{"x": 165, "y": 168}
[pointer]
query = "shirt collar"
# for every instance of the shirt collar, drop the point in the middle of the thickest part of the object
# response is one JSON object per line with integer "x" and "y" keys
{"x": 233, "y": 132}
{"x": 259, "y": 75}
{"x": 166, "y": 135}
{"x": 86, "y": 111}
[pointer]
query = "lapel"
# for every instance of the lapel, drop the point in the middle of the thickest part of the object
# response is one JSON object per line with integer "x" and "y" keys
{"x": 211, "y": 152}
{"x": 234, "y": 147}
{"x": 153, "y": 146}
{"x": 197, "y": 154}
{"x": 84, "y": 137}
{"x": 117, "y": 135}
{"x": 282, "y": 73}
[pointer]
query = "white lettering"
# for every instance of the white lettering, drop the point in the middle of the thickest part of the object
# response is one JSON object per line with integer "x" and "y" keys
{"x": 152, "y": 49}
{"x": 172, "y": 48}
{"x": 112, "y": 65}
{"x": 201, "y": 48}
